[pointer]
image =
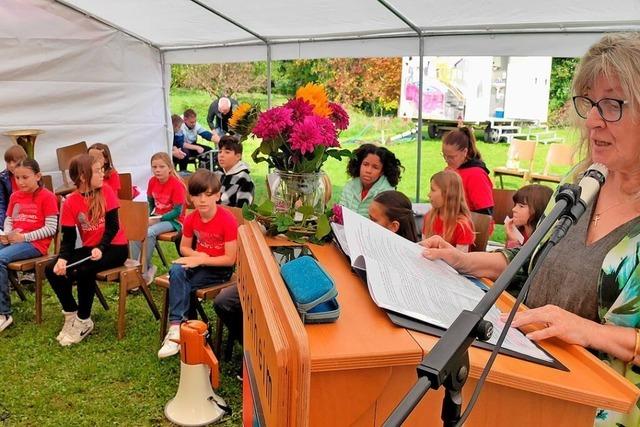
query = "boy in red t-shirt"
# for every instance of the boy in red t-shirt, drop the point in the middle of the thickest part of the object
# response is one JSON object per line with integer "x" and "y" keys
{"x": 93, "y": 210}
{"x": 31, "y": 223}
{"x": 213, "y": 258}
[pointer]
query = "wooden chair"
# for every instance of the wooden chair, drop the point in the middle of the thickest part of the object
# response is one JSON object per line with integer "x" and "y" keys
{"x": 126, "y": 187}
{"x": 134, "y": 218}
{"x": 558, "y": 155}
{"x": 521, "y": 153}
{"x": 481, "y": 223}
{"x": 503, "y": 204}
{"x": 202, "y": 294}
{"x": 65, "y": 154}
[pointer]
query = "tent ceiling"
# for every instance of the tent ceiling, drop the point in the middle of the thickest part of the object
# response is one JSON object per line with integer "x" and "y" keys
{"x": 206, "y": 30}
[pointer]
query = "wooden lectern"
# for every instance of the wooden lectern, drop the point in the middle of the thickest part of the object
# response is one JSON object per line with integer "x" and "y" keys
{"x": 355, "y": 371}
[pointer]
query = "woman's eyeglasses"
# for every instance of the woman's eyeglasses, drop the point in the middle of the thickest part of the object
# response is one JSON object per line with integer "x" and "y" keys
{"x": 610, "y": 109}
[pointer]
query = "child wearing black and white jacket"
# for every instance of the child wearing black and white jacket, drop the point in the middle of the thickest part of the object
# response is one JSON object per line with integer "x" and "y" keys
{"x": 237, "y": 186}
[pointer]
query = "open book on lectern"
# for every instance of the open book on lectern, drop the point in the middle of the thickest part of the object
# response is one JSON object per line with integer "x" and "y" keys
{"x": 424, "y": 292}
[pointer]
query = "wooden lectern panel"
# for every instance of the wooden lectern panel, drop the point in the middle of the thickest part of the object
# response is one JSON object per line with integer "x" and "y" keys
{"x": 356, "y": 370}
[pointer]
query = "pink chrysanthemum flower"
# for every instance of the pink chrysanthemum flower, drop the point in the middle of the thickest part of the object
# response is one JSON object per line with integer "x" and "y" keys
{"x": 301, "y": 109}
{"x": 272, "y": 123}
{"x": 306, "y": 135}
{"x": 339, "y": 116}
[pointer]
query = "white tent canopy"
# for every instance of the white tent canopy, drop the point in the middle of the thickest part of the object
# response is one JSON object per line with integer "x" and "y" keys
{"x": 98, "y": 70}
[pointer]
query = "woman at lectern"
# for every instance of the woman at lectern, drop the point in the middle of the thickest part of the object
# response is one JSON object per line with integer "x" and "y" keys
{"x": 587, "y": 290}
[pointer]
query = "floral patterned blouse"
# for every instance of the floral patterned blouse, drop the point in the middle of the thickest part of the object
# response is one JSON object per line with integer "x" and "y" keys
{"x": 618, "y": 304}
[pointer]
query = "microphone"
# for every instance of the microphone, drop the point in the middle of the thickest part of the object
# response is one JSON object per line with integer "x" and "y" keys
{"x": 578, "y": 198}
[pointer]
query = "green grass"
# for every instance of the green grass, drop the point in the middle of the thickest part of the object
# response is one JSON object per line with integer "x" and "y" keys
{"x": 103, "y": 381}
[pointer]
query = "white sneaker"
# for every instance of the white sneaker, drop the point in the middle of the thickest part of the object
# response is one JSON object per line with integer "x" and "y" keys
{"x": 170, "y": 347}
{"x": 68, "y": 321}
{"x": 150, "y": 274}
{"x": 77, "y": 332}
{"x": 5, "y": 321}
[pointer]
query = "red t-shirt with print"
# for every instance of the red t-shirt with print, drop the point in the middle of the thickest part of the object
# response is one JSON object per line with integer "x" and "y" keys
{"x": 28, "y": 212}
{"x": 167, "y": 195}
{"x": 113, "y": 180}
{"x": 213, "y": 234}
{"x": 478, "y": 188}
{"x": 462, "y": 235}
{"x": 75, "y": 213}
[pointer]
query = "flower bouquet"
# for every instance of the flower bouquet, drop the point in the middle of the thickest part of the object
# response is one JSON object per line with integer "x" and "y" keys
{"x": 297, "y": 138}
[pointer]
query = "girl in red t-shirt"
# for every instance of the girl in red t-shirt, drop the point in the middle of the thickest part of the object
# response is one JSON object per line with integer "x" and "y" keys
{"x": 529, "y": 204}
{"x": 31, "y": 223}
{"x": 449, "y": 216}
{"x": 93, "y": 210}
{"x": 111, "y": 177}
{"x": 166, "y": 194}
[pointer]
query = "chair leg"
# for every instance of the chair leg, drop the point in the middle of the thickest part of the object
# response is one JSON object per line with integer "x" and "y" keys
{"x": 218, "y": 342}
{"x": 101, "y": 298}
{"x": 165, "y": 315}
{"x": 152, "y": 305}
{"x": 161, "y": 254}
{"x": 122, "y": 305}
{"x": 501, "y": 183}
{"x": 13, "y": 278}
{"x": 38, "y": 274}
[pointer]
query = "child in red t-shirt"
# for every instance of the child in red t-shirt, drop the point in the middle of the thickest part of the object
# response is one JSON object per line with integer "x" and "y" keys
{"x": 8, "y": 184}
{"x": 449, "y": 216}
{"x": 166, "y": 194}
{"x": 93, "y": 209}
{"x": 111, "y": 177}
{"x": 212, "y": 260}
{"x": 31, "y": 223}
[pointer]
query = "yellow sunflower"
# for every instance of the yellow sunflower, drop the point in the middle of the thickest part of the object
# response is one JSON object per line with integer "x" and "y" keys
{"x": 239, "y": 114}
{"x": 316, "y": 96}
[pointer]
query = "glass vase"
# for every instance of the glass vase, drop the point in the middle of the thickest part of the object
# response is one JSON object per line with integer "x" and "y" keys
{"x": 294, "y": 190}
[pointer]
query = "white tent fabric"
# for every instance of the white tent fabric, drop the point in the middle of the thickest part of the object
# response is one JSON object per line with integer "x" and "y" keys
{"x": 99, "y": 70}
{"x": 78, "y": 79}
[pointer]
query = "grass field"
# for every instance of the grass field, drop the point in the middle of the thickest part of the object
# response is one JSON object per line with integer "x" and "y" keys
{"x": 104, "y": 381}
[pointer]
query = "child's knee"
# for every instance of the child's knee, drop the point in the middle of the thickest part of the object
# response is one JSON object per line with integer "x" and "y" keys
{"x": 177, "y": 270}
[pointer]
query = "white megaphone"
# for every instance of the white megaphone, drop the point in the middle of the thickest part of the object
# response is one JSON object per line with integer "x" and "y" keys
{"x": 195, "y": 403}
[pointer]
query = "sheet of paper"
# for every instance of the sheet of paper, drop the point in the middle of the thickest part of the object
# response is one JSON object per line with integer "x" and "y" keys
{"x": 400, "y": 279}
{"x": 338, "y": 232}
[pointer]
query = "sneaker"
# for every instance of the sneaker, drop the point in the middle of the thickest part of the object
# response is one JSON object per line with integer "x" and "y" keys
{"x": 68, "y": 321}
{"x": 170, "y": 347}
{"x": 77, "y": 332}
{"x": 28, "y": 278}
{"x": 150, "y": 274}
{"x": 5, "y": 321}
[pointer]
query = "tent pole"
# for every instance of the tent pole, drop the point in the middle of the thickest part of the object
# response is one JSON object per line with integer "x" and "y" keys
{"x": 420, "y": 85}
{"x": 268, "y": 75}
{"x": 165, "y": 98}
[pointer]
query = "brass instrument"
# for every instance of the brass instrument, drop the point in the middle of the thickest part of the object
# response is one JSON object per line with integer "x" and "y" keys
{"x": 26, "y": 138}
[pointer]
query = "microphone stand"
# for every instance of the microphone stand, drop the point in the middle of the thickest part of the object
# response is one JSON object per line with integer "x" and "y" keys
{"x": 448, "y": 361}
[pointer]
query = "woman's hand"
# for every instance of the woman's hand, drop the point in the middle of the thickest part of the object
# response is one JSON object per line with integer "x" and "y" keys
{"x": 96, "y": 254}
{"x": 438, "y": 248}
{"x": 15, "y": 237}
{"x": 60, "y": 269}
{"x": 557, "y": 322}
{"x": 189, "y": 261}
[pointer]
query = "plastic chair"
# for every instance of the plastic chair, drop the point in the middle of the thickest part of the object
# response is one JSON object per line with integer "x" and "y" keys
{"x": 126, "y": 187}
{"x": 65, "y": 154}
{"x": 481, "y": 223}
{"x": 520, "y": 153}
{"x": 134, "y": 216}
{"x": 558, "y": 155}
{"x": 202, "y": 294}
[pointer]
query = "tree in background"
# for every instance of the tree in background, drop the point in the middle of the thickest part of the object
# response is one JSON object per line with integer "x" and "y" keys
{"x": 562, "y": 70}
{"x": 220, "y": 79}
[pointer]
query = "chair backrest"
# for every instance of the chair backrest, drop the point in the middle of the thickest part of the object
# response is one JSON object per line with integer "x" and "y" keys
{"x": 134, "y": 217}
{"x": 185, "y": 179}
{"x": 126, "y": 187}
{"x": 481, "y": 224}
{"x": 65, "y": 154}
{"x": 559, "y": 155}
{"x": 522, "y": 151}
{"x": 502, "y": 204}
{"x": 47, "y": 182}
{"x": 328, "y": 188}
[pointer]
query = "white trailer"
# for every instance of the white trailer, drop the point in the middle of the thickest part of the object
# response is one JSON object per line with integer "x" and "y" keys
{"x": 492, "y": 92}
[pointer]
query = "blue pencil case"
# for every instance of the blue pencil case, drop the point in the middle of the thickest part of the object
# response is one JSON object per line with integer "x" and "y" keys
{"x": 312, "y": 290}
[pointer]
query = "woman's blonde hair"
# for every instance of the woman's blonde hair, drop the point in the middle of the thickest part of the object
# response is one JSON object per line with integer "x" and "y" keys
{"x": 167, "y": 160}
{"x": 454, "y": 208}
{"x": 613, "y": 56}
